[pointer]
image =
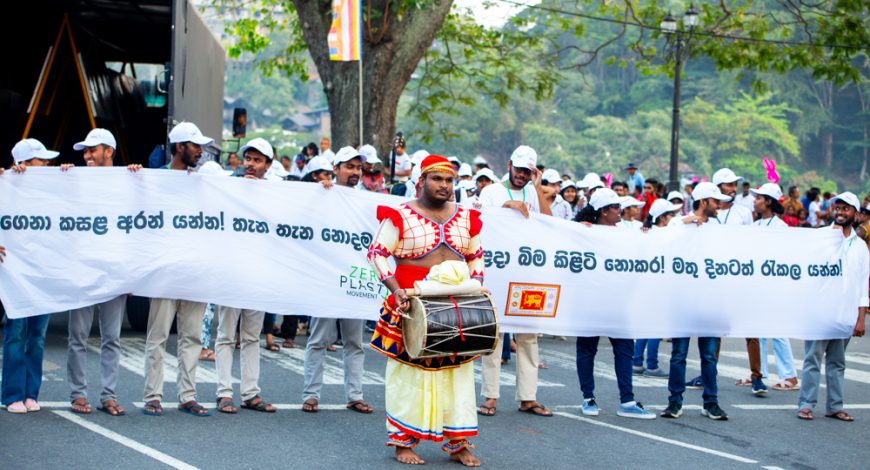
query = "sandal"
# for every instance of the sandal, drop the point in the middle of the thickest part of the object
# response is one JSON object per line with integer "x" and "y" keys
{"x": 273, "y": 347}
{"x": 257, "y": 404}
{"x": 310, "y": 406}
{"x": 743, "y": 383}
{"x": 806, "y": 414}
{"x": 80, "y": 406}
{"x": 538, "y": 409}
{"x": 288, "y": 343}
{"x": 360, "y": 407}
{"x": 786, "y": 386}
{"x": 486, "y": 410}
{"x": 153, "y": 408}
{"x": 206, "y": 355}
{"x": 110, "y": 407}
{"x": 225, "y": 405}
{"x": 193, "y": 408}
{"x": 330, "y": 348}
{"x": 840, "y": 415}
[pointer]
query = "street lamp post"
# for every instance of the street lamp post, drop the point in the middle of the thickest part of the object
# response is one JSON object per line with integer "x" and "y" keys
{"x": 669, "y": 27}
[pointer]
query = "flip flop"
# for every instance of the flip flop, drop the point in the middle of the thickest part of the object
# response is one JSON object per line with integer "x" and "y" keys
{"x": 80, "y": 403}
{"x": 153, "y": 408}
{"x": 272, "y": 347}
{"x": 805, "y": 414}
{"x": 360, "y": 407}
{"x": 310, "y": 406}
{"x": 109, "y": 406}
{"x": 841, "y": 416}
{"x": 538, "y": 410}
{"x": 194, "y": 409}
{"x": 484, "y": 410}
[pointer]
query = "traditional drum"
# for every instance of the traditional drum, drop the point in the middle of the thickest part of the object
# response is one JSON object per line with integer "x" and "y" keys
{"x": 439, "y": 326}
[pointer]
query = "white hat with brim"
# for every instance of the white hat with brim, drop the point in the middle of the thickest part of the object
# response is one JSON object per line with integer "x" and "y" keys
{"x": 604, "y": 197}
{"x": 96, "y": 137}
{"x": 485, "y": 173}
{"x": 28, "y": 149}
{"x": 370, "y": 155}
{"x": 568, "y": 184}
{"x": 479, "y": 160}
{"x": 725, "y": 175}
{"x": 849, "y": 198}
{"x": 188, "y": 132}
{"x": 260, "y": 145}
{"x": 707, "y": 190}
{"x": 590, "y": 181}
{"x": 465, "y": 170}
{"x": 418, "y": 156}
{"x": 660, "y": 207}
{"x": 318, "y": 163}
{"x": 627, "y": 201}
{"x": 771, "y": 190}
{"x": 415, "y": 174}
{"x": 551, "y": 176}
{"x": 276, "y": 171}
{"x": 675, "y": 195}
{"x": 454, "y": 160}
{"x": 346, "y": 154}
{"x": 214, "y": 169}
{"x": 524, "y": 157}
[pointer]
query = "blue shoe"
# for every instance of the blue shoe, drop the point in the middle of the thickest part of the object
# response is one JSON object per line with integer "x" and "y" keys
{"x": 758, "y": 387}
{"x": 637, "y": 370}
{"x": 590, "y": 408}
{"x": 697, "y": 383}
{"x": 635, "y": 410}
{"x": 657, "y": 373}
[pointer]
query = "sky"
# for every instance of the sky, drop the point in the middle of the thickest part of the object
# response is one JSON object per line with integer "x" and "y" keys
{"x": 494, "y": 16}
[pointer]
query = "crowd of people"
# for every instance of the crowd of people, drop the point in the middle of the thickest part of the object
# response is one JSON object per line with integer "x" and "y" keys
{"x": 630, "y": 202}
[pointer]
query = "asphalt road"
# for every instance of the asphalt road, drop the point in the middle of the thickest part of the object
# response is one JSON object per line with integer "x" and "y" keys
{"x": 761, "y": 432}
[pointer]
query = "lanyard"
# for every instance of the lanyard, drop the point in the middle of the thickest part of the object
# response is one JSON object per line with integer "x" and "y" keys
{"x": 726, "y": 217}
{"x": 511, "y": 195}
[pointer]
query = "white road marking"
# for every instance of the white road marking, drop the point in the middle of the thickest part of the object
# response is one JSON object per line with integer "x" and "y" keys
{"x": 657, "y": 438}
{"x": 506, "y": 379}
{"x": 125, "y": 441}
{"x": 602, "y": 369}
{"x": 646, "y": 406}
{"x": 133, "y": 359}
{"x": 852, "y": 374}
{"x": 293, "y": 359}
{"x": 857, "y": 406}
{"x": 168, "y": 405}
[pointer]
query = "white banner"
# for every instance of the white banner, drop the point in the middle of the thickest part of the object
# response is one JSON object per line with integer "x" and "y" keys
{"x": 84, "y": 237}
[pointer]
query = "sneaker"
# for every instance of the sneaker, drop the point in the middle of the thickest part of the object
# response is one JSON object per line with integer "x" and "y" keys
{"x": 713, "y": 411}
{"x": 635, "y": 410}
{"x": 589, "y": 408}
{"x": 657, "y": 373}
{"x": 758, "y": 387}
{"x": 637, "y": 370}
{"x": 674, "y": 410}
{"x": 696, "y": 384}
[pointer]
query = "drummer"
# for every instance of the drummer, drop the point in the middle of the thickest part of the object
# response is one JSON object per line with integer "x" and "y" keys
{"x": 426, "y": 399}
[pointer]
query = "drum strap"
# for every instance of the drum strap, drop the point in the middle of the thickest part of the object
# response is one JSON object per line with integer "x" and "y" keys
{"x": 458, "y": 318}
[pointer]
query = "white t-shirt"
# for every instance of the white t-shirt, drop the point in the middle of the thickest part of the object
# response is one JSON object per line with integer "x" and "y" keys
{"x": 736, "y": 215}
{"x": 561, "y": 208}
{"x": 812, "y": 217}
{"x": 747, "y": 201}
{"x": 631, "y": 224}
{"x": 495, "y": 195}
{"x": 773, "y": 221}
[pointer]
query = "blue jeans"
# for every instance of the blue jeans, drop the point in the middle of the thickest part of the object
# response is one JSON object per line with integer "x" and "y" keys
{"x": 677, "y": 376}
{"x": 652, "y": 353}
{"x": 587, "y": 347}
{"x": 23, "y": 348}
{"x": 207, "y": 319}
{"x": 506, "y": 347}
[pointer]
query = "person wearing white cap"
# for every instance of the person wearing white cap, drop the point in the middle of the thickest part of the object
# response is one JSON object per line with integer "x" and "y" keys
{"x": 630, "y": 208}
{"x": 603, "y": 209}
{"x": 572, "y": 197}
{"x": 324, "y": 331}
{"x": 661, "y": 213}
{"x": 707, "y": 199}
{"x": 257, "y": 156}
{"x": 516, "y": 193}
{"x": 186, "y": 140}
{"x": 589, "y": 184}
{"x": 481, "y": 179}
{"x": 372, "y": 176}
{"x": 734, "y": 214}
{"x": 455, "y": 161}
{"x": 559, "y": 207}
{"x": 676, "y": 197}
{"x": 768, "y": 207}
{"x": 464, "y": 172}
{"x": 319, "y": 170}
{"x": 480, "y": 163}
{"x": 24, "y": 338}
{"x": 856, "y": 270}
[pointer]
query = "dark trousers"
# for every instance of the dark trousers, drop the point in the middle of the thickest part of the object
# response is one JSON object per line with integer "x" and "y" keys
{"x": 708, "y": 350}
{"x": 623, "y": 349}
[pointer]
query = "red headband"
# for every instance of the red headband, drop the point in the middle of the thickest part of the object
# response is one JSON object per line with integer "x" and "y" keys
{"x": 436, "y": 163}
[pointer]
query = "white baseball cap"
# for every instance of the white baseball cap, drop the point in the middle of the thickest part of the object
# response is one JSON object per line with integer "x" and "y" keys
{"x": 318, "y": 163}
{"x": 188, "y": 132}
{"x": 28, "y": 149}
{"x": 568, "y": 184}
{"x": 675, "y": 195}
{"x": 627, "y": 201}
{"x": 604, "y": 197}
{"x": 725, "y": 175}
{"x": 418, "y": 156}
{"x": 259, "y": 144}
{"x": 96, "y": 137}
{"x": 485, "y": 173}
{"x": 706, "y": 190}
{"x": 211, "y": 168}
{"x": 849, "y": 198}
{"x": 524, "y": 157}
{"x": 465, "y": 170}
{"x": 590, "y": 181}
{"x": 370, "y": 154}
{"x": 346, "y": 154}
{"x": 551, "y": 176}
{"x": 479, "y": 160}
{"x": 660, "y": 207}
{"x": 768, "y": 189}
{"x": 415, "y": 174}
{"x": 454, "y": 160}
{"x": 276, "y": 172}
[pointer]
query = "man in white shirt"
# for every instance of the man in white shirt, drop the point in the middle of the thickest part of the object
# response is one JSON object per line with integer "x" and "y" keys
{"x": 630, "y": 208}
{"x": 516, "y": 193}
{"x": 745, "y": 199}
{"x": 325, "y": 151}
{"x": 856, "y": 270}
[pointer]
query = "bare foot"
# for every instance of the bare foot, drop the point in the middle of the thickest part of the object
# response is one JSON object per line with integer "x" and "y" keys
{"x": 408, "y": 456}
{"x": 466, "y": 458}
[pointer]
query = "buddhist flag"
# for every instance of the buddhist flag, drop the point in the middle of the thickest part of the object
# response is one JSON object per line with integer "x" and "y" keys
{"x": 345, "y": 35}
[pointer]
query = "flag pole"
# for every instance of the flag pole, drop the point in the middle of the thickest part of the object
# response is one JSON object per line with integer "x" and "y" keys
{"x": 361, "y": 139}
